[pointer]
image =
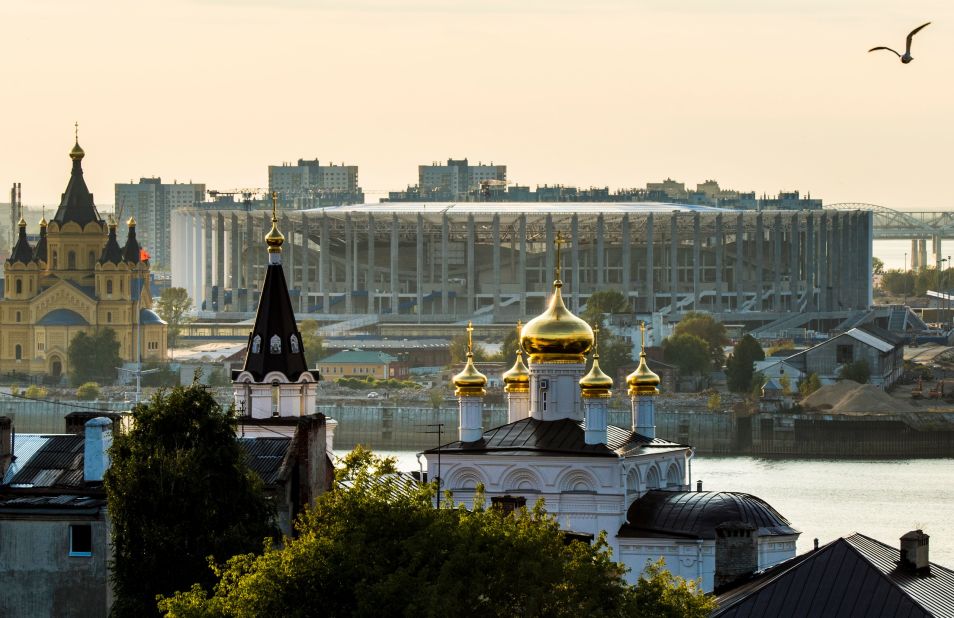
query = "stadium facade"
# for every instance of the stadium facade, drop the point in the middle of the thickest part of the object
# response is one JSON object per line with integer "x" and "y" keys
{"x": 450, "y": 261}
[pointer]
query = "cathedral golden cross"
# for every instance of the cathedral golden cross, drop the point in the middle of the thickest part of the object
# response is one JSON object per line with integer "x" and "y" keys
{"x": 596, "y": 341}
{"x": 470, "y": 337}
{"x": 558, "y": 242}
{"x": 76, "y": 131}
{"x": 274, "y": 206}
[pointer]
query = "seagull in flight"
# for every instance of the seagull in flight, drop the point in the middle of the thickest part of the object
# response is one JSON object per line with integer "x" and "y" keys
{"x": 907, "y": 57}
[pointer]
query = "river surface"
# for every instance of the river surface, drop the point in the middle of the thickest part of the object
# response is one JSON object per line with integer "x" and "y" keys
{"x": 826, "y": 499}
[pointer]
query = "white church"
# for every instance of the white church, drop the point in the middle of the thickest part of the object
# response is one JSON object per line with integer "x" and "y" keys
{"x": 557, "y": 446}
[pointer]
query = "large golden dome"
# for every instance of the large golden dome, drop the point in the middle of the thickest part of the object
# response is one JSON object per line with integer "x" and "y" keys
{"x": 556, "y": 335}
{"x": 517, "y": 378}
{"x": 470, "y": 382}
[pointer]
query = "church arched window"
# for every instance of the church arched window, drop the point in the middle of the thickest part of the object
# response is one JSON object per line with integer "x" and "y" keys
{"x": 275, "y": 345}
{"x": 109, "y": 316}
{"x": 19, "y": 286}
{"x": 71, "y": 260}
{"x": 92, "y": 260}
{"x": 256, "y": 344}
{"x": 293, "y": 344}
{"x": 109, "y": 287}
{"x": 55, "y": 260}
{"x": 652, "y": 478}
{"x": 18, "y": 316}
{"x": 18, "y": 352}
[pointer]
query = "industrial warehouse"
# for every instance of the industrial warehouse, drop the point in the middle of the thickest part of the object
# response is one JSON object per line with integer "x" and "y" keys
{"x": 493, "y": 262}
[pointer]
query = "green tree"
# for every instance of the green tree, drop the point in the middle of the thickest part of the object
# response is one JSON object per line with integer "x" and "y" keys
{"x": 615, "y": 352}
{"x": 365, "y": 548}
{"x": 786, "y": 384}
{"x": 708, "y": 329}
{"x": 88, "y": 391}
{"x": 687, "y": 352}
{"x": 661, "y": 594}
{"x": 179, "y": 491}
{"x": 740, "y": 366}
{"x": 508, "y": 349}
{"x": 809, "y": 385}
{"x": 94, "y": 357}
{"x": 603, "y": 302}
{"x": 458, "y": 350}
{"x": 35, "y": 392}
{"x": 313, "y": 342}
{"x": 758, "y": 381}
{"x": 714, "y": 403}
{"x": 877, "y": 265}
{"x": 859, "y": 371}
{"x": 173, "y": 307}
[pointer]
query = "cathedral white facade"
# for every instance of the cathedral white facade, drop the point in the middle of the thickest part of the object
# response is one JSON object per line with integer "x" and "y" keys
{"x": 593, "y": 477}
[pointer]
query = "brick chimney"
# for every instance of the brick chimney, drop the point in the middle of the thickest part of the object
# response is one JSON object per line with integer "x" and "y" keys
{"x": 914, "y": 551}
{"x": 312, "y": 458}
{"x": 98, "y": 438}
{"x": 76, "y": 421}
{"x": 736, "y": 552}
{"x": 6, "y": 445}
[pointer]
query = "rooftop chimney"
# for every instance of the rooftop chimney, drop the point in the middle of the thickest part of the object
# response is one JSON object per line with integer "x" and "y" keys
{"x": 98, "y": 439}
{"x": 76, "y": 421}
{"x": 914, "y": 551}
{"x": 6, "y": 445}
{"x": 736, "y": 552}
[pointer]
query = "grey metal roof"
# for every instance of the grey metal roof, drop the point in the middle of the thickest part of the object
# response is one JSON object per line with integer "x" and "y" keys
{"x": 25, "y": 446}
{"x": 535, "y": 208}
{"x": 265, "y": 456}
{"x": 57, "y": 463}
{"x": 695, "y": 514}
{"x": 148, "y": 316}
{"x": 62, "y": 317}
{"x": 530, "y": 436}
{"x": 54, "y": 501}
{"x": 854, "y": 576}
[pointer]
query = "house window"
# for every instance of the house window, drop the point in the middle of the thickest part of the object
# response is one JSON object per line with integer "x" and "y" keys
{"x": 71, "y": 260}
{"x": 508, "y": 504}
{"x": 39, "y": 346}
{"x": 844, "y": 354}
{"x": 276, "y": 399}
{"x": 120, "y": 286}
{"x": 81, "y": 540}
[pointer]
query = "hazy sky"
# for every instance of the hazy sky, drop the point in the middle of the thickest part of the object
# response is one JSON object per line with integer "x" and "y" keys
{"x": 762, "y": 95}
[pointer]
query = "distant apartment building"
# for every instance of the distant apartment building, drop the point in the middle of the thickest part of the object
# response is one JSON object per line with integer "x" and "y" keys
{"x": 669, "y": 187}
{"x": 309, "y": 184}
{"x": 151, "y": 202}
{"x": 458, "y": 179}
{"x": 789, "y": 201}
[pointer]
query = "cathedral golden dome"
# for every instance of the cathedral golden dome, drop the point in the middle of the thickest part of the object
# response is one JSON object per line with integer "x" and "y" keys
{"x": 43, "y": 221}
{"x": 643, "y": 381}
{"x": 596, "y": 383}
{"x": 517, "y": 378}
{"x": 131, "y": 222}
{"x": 470, "y": 382}
{"x": 274, "y": 238}
{"x": 556, "y": 335}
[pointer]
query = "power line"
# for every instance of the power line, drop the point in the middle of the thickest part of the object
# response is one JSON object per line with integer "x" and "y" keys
{"x": 59, "y": 403}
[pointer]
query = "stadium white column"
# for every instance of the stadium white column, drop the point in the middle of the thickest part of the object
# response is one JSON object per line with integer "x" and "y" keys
{"x": 777, "y": 258}
{"x": 575, "y": 261}
{"x": 208, "y": 252}
{"x": 719, "y": 261}
{"x": 471, "y": 266}
{"x": 600, "y": 251}
{"x": 650, "y": 275}
{"x": 419, "y": 254}
{"x": 759, "y": 262}
{"x": 523, "y": 264}
{"x": 738, "y": 274}
{"x": 673, "y": 263}
{"x": 795, "y": 267}
{"x": 395, "y": 283}
{"x": 444, "y": 274}
{"x": 324, "y": 257}
{"x": 369, "y": 282}
{"x": 289, "y": 258}
{"x": 248, "y": 245}
{"x": 627, "y": 274}
{"x": 495, "y": 231}
{"x": 235, "y": 253}
{"x": 349, "y": 264}
{"x": 304, "y": 261}
{"x": 810, "y": 264}
{"x": 696, "y": 259}
{"x": 550, "y": 258}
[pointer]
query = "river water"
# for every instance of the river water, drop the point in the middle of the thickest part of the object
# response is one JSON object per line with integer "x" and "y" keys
{"x": 826, "y": 499}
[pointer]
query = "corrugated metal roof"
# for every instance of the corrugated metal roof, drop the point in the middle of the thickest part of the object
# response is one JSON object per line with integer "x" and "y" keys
{"x": 696, "y": 514}
{"x": 25, "y": 446}
{"x": 560, "y": 437}
{"x": 869, "y": 339}
{"x": 48, "y": 501}
{"x": 58, "y": 462}
{"x": 850, "y": 577}
{"x": 265, "y": 456}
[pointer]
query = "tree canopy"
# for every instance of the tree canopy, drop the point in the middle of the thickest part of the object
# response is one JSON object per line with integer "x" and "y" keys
{"x": 94, "y": 357}
{"x": 178, "y": 491}
{"x": 313, "y": 342}
{"x": 173, "y": 307}
{"x": 375, "y": 544}
{"x": 859, "y": 371}
{"x": 740, "y": 366}
{"x": 615, "y": 352}
{"x": 687, "y": 352}
{"x": 603, "y": 302}
{"x": 707, "y": 328}
{"x": 458, "y": 350}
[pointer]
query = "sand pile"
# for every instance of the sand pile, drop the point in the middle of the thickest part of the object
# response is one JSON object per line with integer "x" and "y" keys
{"x": 847, "y": 397}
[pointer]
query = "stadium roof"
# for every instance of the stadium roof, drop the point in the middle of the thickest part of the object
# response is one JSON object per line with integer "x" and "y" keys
{"x": 530, "y": 208}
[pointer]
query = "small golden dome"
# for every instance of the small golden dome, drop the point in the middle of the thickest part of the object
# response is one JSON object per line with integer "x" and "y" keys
{"x": 517, "y": 378}
{"x": 470, "y": 382}
{"x": 131, "y": 222}
{"x": 22, "y": 221}
{"x": 112, "y": 222}
{"x": 77, "y": 153}
{"x": 596, "y": 383}
{"x": 43, "y": 222}
{"x": 643, "y": 381}
{"x": 274, "y": 238}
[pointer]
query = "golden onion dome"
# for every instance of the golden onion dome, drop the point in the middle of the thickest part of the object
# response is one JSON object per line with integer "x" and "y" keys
{"x": 470, "y": 382}
{"x": 131, "y": 222}
{"x": 643, "y": 381}
{"x": 77, "y": 153}
{"x": 274, "y": 238}
{"x": 596, "y": 383}
{"x": 21, "y": 222}
{"x": 517, "y": 378}
{"x": 556, "y": 335}
{"x": 43, "y": 221}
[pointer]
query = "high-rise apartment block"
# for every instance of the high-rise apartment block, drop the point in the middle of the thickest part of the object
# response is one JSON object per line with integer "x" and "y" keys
{"x": 151, "y": 202}
{"x": 308, "y": 180}
{"x": 457, "y": 179}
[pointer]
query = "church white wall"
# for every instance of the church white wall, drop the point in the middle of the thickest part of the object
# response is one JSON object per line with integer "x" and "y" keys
{"x": 691, "y": 559}
{"x": 775, "y": 549}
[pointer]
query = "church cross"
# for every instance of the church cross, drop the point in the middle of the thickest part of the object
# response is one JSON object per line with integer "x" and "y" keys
{"x": 470, "y": 338}
{"x": 596, "y": 341}
{"x": 274, "y": 206}
{"x": 76, "y": 131}
{"x": 560, "y": 240}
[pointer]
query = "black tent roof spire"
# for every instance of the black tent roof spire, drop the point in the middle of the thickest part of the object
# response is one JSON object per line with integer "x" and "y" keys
{"x": 22, "y": 251}
{"x": 76, "y": 205}
{"x": 275, "y": 344}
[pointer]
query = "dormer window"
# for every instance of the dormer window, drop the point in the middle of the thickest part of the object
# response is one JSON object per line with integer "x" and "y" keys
{"x": 256, "y": 344}
{"x": 293, "y": 343}
{"x": 275, "y": 345}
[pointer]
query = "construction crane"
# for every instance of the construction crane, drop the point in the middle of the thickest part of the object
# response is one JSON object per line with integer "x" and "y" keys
{"x": 246, "y": 194}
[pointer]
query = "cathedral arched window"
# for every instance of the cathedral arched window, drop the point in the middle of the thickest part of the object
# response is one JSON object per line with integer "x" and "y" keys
{"x": 55, "y": 261}
{"x": 71, "y": 260}
{"x": 18, "y": 316}
{"x": 275, "y": 345}
{"x": 652, "y": 478}
{"x": 19, "y": 286}
{"x": 256, "y": 344}
{"x": 18, "y": 352}
{"x": 293, "y": 344}
{"x": 109, "y": 287}
{"x": 92, "y": 260}
{"x": 109, "y": 316}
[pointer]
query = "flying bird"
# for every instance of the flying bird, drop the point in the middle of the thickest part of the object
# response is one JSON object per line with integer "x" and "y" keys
{"x": 907, "y": 57}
